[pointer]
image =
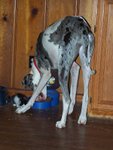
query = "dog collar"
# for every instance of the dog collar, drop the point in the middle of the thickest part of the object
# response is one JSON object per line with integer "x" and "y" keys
{"x": 35, "y": 63}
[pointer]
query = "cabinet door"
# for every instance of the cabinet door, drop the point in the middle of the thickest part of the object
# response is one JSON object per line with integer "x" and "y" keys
{"x": 6, "y": 40}
{"x": 59, "y": 9}
{"x": 29, "y": 23}
{"x": 31, "y": 19}
{"x": 102, "y": 82}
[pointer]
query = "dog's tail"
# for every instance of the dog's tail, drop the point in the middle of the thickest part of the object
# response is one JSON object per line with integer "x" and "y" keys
{"x": 90, "y": 51}
{"x": 90, "y": 47}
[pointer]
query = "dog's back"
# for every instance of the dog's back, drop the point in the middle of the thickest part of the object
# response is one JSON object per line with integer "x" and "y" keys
{"x": 69, "y": 32}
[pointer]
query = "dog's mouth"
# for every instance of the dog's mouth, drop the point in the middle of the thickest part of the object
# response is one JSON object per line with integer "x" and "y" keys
{"x": 41, "y": 97}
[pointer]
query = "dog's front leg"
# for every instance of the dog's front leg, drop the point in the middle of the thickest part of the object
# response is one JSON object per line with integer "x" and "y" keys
{"x": 45, "y": 77}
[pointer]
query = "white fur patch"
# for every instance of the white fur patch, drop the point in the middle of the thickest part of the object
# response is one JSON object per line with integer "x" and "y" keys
{"x": 17, "y": 101}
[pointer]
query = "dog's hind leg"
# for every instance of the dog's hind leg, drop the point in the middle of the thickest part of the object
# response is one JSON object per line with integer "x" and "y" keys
{"x": 85, "y": 59}
{"x": 63, "y": 80}
{"x": 44, "y": 79}
{"x": 74, "y": 80}
{"x": 86, "y": 77}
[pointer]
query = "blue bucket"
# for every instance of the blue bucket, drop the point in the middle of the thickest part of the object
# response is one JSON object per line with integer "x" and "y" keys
{"x": 55, "y": 97}
{"x": 3, "y": 93}
{"x": 54, "y": 101}
{"x": 42, "y": 105}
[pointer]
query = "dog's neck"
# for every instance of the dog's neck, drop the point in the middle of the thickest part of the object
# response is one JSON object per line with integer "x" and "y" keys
{"x": 35, "y": 63}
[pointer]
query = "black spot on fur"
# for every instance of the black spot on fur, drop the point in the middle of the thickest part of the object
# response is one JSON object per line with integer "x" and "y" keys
{"x": 66, "y": 78}
{"x": 62, "y": 73}
{"x": 84, "y": 32}
{"x": 81, "y": 24}
{"x": 67, "y": 29}
{"x": 41, "y": 55}
{"x": 67, "y": 38}
{"x": 62, "y": 55}
{"x": 61, "y": 63}
{"x": 86, "y": 52}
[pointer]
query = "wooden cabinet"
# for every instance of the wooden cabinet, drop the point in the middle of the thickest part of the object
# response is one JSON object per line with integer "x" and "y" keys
{"x": 60, "y": 8}
{"x": 6, "y": 40}
{"x": 21, "y": 21}
{"x": 102, "y": 82}
{"x": 29, "y": 22}
{"x": 31, "y": 18}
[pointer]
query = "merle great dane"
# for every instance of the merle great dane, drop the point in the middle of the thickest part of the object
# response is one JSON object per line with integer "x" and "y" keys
{"x": 57, "y": 48}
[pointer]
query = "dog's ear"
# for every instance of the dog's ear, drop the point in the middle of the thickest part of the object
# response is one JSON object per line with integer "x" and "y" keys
{"x": 27, "y": 81}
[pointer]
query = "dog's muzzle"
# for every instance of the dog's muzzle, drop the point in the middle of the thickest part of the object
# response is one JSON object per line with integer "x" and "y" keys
{"x": 27, "y": 81}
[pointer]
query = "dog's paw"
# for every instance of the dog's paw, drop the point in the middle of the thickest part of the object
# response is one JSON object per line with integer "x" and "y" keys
{"x": 82, "y": 120}
{"x": 22, "y": 109}
{"x": 60, "y": 124}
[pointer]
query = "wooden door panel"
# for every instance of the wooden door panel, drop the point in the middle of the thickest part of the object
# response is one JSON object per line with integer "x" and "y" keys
{"x": 30, "y": 18}
{"x": 107, "y": 85}
{"x": 29, "y": 23}
{"x": 102, "y": 87}
{"x": 60, "y": 8}
{"x": 6, "y": 40}
{"x": 23, "y": 22}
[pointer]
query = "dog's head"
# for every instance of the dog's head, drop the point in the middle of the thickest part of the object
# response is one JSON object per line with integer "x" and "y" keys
{"x": 32, "y": 79}
{"x": 28, "y": 81}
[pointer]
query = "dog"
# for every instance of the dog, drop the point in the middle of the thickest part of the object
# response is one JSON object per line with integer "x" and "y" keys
{"x": 58, "y": 47}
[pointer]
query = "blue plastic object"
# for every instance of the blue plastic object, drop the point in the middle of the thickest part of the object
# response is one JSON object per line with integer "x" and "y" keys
{"x": 54, "y": 101}
{"x": 3, "y": 92}
{"x": 55, "y": 97}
